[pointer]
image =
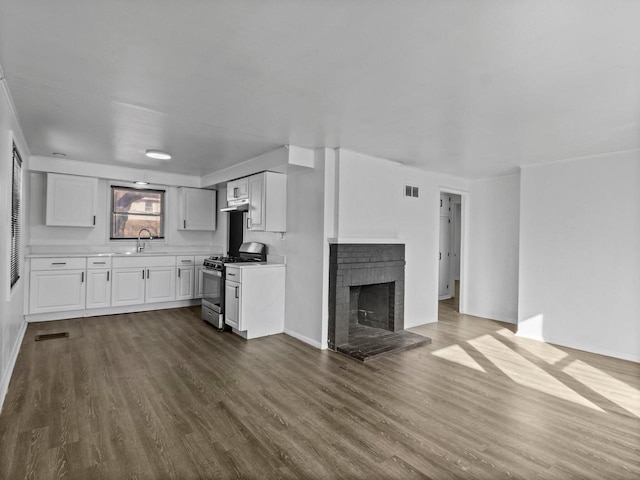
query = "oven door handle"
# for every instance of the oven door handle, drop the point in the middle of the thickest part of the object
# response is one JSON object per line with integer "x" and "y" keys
{"x": 212, "y": 272}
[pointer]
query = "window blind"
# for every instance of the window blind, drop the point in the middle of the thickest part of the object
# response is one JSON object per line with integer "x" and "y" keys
{"x": 16, "y": 227}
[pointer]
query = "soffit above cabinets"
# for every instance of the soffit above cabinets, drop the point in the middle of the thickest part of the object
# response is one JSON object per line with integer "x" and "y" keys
{"x": 472, "y": 89}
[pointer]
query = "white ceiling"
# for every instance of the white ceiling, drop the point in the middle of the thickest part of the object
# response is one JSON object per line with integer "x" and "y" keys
{"x": 472, "y": 88}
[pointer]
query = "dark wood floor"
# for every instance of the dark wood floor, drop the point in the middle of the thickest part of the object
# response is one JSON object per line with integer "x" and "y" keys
{"x": 164, "y": 395}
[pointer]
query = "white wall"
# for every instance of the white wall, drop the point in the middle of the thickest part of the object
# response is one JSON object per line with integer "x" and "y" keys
{"x": 305, "y": 241}
{"x": 492, "y": 250}
{"x": 371, "y": 205}
{"x": 580, "y": 254}
{"x": 41, "y": 234}
{"x": 12, "y": 324}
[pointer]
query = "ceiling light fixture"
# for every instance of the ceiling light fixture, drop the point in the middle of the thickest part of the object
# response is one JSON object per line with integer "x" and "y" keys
{"x": 138, "y": 182}
{"x": 158, "y": 154}
{"x": 58, "y": 154}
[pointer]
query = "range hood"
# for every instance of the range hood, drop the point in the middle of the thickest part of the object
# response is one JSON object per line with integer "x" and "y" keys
{"x": 241, "y": 205}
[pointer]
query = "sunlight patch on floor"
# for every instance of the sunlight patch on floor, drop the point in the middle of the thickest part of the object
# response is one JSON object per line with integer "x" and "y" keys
{"x": 542, "y": 350}
{"x": 456, "y": 354}
{"x": 513, "y": 365}
{"x": 609, "y": 387}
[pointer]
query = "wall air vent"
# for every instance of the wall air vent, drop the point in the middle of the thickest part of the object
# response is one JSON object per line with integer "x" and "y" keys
{"x": 410, "y": 191}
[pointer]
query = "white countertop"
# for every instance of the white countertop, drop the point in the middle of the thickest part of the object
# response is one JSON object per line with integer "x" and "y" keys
{"x": 119, "y": 254}
{"x": 244, "y": 265}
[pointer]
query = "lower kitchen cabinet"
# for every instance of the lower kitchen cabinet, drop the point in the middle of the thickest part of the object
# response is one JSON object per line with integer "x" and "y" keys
{"x": 185, "y": 283}
{"x": 98, "y": 282}
{"x": 232, "y": 300}
{"x": 98, "y": 288}
{"x": 56, "y": 291}
{"x": 57, "y": 285}
{"x": 254, "y": 299}
{"x": 161, "y": 284}
{"x": 127, "y": 287}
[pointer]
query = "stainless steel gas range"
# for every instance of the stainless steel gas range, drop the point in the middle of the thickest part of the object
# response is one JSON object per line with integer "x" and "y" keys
{"x": 214, "y": 280}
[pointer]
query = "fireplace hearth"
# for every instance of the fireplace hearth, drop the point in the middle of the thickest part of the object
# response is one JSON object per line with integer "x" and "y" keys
{"x": 366, "y": 301}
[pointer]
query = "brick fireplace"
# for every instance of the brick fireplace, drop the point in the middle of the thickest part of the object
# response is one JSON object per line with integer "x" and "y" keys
{"x": 366, "y": 300}
{"x": 354, "y": 266}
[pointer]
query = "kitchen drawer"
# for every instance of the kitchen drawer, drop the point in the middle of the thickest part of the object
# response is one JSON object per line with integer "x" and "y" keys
{"x": 143, "y": 261}
{"x": 233, "y": 273}
{"x": 58, "y": 263}
{"x": 99, "y": 262}
{"x": 214, "y": 318}
{"x": 185, "y": 260}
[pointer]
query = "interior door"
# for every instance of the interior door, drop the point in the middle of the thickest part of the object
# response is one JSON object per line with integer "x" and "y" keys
{"x": 444, "y": 258}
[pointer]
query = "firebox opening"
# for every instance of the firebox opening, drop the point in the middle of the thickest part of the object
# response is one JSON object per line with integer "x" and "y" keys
{"x": 372, "y": 305}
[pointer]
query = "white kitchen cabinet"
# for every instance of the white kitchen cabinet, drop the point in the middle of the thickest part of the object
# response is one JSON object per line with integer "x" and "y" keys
{"x": 98, "y": 282}
{"x": 185, "y": 277}
{"x": 185, "y": 283}
{"x": 138, "y": 280}
{"x": 71, "y": 200}
{"x": 98, "y": 288}
{"x": 128, "y": 286}
{"x": 161, "y": 284}
{"x": 57, "y": 285}
{"x": 238, "y": 189}
{"x": 197, "y": 209}
{"x": 267, "y": 202}
{"x": 232, "y": 300}
{"x": 198, "y": 288}
{"x": 254, "y": 300}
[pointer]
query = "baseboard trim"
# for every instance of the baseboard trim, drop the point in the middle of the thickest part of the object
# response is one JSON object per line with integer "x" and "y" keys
{"x": 497, "y": 318}
{"x": 98, "y": 312}
{"x": 307, "y": 340}
{"x": 6, "y": 377}
{"x": 586, "y": 348}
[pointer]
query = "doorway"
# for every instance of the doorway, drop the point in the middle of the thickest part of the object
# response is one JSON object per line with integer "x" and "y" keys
{"x": 450, "y": 250}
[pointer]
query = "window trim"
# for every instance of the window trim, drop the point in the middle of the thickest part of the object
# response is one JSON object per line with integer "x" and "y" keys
{"x": 147, "y": 188}
{"x": 18, "y": 216}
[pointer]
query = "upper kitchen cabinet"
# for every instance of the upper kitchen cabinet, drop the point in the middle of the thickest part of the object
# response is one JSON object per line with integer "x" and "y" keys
{"x": 267, "y": 202}
{"x": 238, "y": 189}
{"x": 197, "y": 209}
{"x": 71, "y": 200}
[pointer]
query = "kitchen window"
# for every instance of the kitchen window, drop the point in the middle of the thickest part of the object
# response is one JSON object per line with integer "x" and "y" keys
{"x": 16, "y": 222}
{"x": 133, "y": 209}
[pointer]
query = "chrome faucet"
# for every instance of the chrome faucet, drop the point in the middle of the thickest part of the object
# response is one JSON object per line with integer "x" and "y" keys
{"x": 139, "y": 244}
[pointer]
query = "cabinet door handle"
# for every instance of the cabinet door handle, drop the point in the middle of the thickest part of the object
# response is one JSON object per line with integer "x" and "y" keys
{"x": 231, "y": 274}
{"x": 58, "y": 263}
{"x": 237, "y": 288}
{"x": 148, "y": 276}
{"x": 235, "y": 192}
{"x": 178, "y": 273}
{"x": 248, "y": 223}
{"x": 82, "y": 277}
{"x": 94, "y": 219}
{"x": 108, "y": 272}
{"x": 143, "y": 273}
{"x": 185, "y": 261}
{"x": 184, "y": 223}
{"x": 99, "y": 263}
